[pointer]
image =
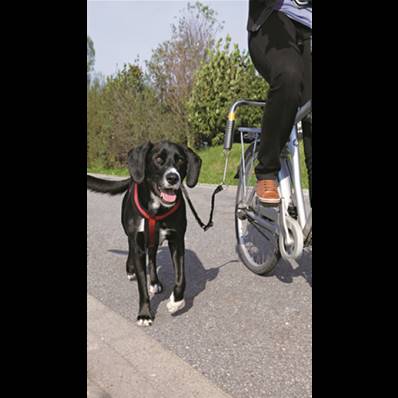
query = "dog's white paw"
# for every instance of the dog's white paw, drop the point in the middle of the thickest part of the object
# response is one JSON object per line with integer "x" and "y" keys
{"x": 174, "y": 306}
{"x": 144, "y": 322}
{"x": 155, "y": 289}
{"x": 131, "y": 277}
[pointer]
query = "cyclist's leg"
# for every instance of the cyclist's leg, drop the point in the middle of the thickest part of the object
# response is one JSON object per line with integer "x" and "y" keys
{"x": 278, "y": 58}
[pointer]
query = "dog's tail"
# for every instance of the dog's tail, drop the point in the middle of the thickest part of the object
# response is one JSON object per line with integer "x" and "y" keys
{"x": 107, "y": 186}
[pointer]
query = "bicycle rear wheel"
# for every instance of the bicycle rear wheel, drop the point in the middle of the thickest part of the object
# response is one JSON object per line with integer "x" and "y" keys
{"x": 255, "y": 224}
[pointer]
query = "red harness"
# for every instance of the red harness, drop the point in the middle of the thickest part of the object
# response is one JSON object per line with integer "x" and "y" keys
{"x": 152, "y": 219}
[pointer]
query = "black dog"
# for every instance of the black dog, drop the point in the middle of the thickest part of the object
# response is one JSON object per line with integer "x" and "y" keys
{"x": 153, "y": 209}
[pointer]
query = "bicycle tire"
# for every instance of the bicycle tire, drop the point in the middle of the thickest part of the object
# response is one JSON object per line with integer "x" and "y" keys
{"x": 268, "y": 258}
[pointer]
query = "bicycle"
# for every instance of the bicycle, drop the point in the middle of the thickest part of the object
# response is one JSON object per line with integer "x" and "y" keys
{"x": 265, "y": 234}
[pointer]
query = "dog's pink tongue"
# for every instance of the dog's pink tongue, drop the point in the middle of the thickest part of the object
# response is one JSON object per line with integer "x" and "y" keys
{"x": 168, "y": 197}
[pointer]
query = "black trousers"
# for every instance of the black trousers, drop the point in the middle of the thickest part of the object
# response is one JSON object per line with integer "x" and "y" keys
{"x": 281, "y": 53}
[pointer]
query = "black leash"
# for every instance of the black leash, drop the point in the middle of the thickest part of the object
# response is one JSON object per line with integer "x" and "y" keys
{"x": 200, "y": 222}
{"x": 218, "y": 189}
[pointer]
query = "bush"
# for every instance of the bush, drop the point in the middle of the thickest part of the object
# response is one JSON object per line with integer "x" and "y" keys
{"x": 121, "y": 114}
{"x": 228, "y": 76}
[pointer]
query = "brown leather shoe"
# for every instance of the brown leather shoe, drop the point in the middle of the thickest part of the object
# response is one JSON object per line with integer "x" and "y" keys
{"x": 267, "y": 191}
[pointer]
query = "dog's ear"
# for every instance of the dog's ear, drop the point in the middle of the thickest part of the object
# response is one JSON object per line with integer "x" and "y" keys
{"x": 136, "y": 160}
{"x": 193, "y": 166}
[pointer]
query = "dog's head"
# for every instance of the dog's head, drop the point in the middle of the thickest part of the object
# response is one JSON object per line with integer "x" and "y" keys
{"x": 164, "y": 166}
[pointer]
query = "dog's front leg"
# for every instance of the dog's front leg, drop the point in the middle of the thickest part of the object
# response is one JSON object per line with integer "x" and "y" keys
{"x": 154, "y": 284}
{"x": 130, "y": 268}
{"x": 177, "y": 251}
{"x": 138, "y": 255}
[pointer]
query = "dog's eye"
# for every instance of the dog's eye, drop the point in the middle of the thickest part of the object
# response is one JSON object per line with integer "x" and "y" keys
{"x": 159, "y": 160}
{"x": 180, "y": 161}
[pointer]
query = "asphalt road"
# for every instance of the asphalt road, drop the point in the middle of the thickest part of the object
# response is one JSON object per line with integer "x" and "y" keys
{"x": 249, "y": 335}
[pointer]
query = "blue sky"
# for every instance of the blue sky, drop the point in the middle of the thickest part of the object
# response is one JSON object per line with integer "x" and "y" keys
{"x": 123, "y": 30}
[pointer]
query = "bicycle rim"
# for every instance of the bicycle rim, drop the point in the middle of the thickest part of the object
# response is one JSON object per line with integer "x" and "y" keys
{"x": 257, "y": 247}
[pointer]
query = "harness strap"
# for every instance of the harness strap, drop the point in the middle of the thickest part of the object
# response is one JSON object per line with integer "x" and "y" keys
{"x": 152, "y": 219}
{"x": 152, "y": 232}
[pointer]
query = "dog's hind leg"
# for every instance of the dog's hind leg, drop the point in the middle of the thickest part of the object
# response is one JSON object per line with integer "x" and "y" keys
{"x": 177, "y": 251}
{"x": 154, "y": 284}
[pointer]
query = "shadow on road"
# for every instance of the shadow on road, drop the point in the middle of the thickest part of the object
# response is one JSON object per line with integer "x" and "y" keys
{"x": 196, "y": 276}
{"x": 286, "y": 272}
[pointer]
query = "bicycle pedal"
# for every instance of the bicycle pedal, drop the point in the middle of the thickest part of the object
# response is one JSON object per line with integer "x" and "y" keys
{"x": 269, "y": 205}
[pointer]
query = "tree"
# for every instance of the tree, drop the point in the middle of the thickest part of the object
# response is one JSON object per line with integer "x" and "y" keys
{"x": 90, "y": 58}
{"x": 172, "y": 67}
{"x": 122, "y": 113}
{"x": 226, "y": 77}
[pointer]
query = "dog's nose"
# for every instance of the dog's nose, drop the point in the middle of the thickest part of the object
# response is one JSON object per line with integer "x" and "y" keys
{"x": 172, "y": 178}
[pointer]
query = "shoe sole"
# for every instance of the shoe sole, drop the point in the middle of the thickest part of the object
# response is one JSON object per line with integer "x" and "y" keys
{"x": 269, "y": 201}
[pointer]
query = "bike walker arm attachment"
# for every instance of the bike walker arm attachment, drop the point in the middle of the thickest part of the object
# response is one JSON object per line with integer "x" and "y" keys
{"x": 229, "y": 130}
{"x": 228, "y": 141}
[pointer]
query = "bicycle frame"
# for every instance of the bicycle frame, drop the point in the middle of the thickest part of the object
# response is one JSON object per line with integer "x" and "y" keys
{"x": 290, "y": 166}
{"x": 290, "y": 172}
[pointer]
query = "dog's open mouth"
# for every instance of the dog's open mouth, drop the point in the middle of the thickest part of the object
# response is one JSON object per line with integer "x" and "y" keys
{"x": 168, "y": 196}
